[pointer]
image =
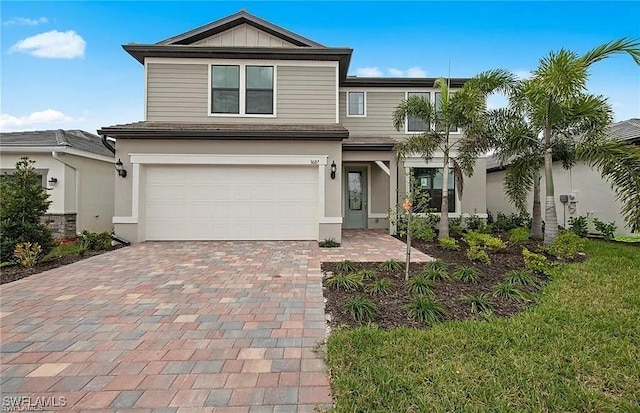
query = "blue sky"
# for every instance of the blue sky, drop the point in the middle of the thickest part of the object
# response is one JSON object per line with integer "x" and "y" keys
{"x": 83, "y": 79}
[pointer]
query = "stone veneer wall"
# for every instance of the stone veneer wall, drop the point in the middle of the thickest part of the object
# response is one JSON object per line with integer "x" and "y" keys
{"x": 62, "y": 225}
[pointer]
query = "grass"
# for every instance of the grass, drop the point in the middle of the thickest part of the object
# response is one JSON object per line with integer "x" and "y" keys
{"x": 630, "y": 238}
{"x": 62, "y": 250}
{"x": 577, "y": 350}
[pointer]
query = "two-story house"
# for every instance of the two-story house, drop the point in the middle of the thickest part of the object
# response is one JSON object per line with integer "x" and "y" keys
{"x": 252, "y": 132}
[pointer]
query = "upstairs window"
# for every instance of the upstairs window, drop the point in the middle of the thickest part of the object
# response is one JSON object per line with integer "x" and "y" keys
{"x": 259, "y": 90}
{"x": 242, "y": 90}
{"x": 225, "y": 89}
{"x": 440, "y": 128}
{"x": 415, "y": 124}
{"x": 356, "y": 104}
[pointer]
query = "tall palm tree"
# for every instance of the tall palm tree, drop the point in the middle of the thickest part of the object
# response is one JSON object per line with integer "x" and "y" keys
{"x": 553, "y": 114}
{"x": 466, "y": 109}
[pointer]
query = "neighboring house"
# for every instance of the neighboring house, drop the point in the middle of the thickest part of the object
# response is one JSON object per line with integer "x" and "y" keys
{"x": 589, "y": 194}
{"x": 78, "y": 172}
{"x": 252, "y": 132}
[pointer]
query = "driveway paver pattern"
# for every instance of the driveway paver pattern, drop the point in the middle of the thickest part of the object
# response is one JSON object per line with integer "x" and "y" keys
{"x": 173, "y": 326}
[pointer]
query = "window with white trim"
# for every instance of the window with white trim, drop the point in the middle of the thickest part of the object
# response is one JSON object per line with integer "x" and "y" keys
{"x": 415, "y": 124}
{"x": 356, "y": 104}
{"x": 429, "y": 181}
{"x": 242, "y": 90}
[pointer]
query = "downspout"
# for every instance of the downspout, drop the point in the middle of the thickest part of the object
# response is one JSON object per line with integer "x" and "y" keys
{"x": 55, "y": 156}
{"x": 107, "y": 145}
{"x": 111, "y": 148}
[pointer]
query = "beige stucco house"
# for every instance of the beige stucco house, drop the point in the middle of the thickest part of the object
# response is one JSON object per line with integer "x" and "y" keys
{"x": 77, "y": 171}
{"x": 588, "y": 194}
{"x": 252, "y": 132}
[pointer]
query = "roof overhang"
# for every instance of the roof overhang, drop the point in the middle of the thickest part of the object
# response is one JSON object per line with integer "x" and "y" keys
{"x": 341, "y": 55}
{"x": 401, "y": 82}
{"x": 64, "y": 149}
{"x": 231, "y": 132}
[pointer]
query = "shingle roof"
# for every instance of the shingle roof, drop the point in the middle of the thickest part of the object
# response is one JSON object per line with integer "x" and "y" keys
{"x": 76, "y": 139}
{"x": 257, "y": 131}
{"x": 627, "y": 130}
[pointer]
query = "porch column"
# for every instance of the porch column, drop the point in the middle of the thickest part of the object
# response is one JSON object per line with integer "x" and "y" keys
{"x": 393, "y": 192}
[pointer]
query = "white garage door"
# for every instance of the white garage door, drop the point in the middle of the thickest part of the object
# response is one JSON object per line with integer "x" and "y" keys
{"x": 185, "y": 202}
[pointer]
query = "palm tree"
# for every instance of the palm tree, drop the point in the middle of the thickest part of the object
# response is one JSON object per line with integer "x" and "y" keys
{"x": 466, "y": 109}
{"x": 552, "y": 116}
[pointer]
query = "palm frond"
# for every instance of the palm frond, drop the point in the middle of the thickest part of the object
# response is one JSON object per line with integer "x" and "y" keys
{"x": 623, "y": 45}
{"x": 619, "y": 164}
{"x": 519, "y": 179}
{"x": 415, "y": 106}
{"x": 424, "y": 145}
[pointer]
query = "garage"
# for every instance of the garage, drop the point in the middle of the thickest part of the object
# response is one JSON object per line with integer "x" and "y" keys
{"x": 231, "y": 202}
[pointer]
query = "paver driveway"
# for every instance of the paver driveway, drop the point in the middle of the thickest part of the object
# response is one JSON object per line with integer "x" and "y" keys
{"x": 171, "y": 325}
{"x": 197, "y": 326}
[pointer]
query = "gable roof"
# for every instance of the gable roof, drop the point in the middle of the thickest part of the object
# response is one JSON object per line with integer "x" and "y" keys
{"x": 229, "y": 22}
{"x": 76, "y": 139}
{"x": 626, "y": 130}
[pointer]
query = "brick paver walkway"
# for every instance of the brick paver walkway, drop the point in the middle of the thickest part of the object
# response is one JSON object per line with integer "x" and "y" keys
{"x": 166, "y": 327}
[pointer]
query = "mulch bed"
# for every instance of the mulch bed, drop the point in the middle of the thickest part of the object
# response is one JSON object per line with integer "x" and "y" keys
{"x": 16, "y": 272}
{"x": 393, "y": 312}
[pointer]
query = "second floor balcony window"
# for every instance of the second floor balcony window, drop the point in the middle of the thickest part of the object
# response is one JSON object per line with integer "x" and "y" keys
{"x": 225, "y": 89}
{"x": 259, "y": 90}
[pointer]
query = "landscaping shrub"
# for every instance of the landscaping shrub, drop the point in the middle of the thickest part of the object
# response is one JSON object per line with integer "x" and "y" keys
{"x": 367, "y": 274}
{"x": 27, "y": 254}
{"x": 521, "y": 277}
{"x": 23, "y": 202}
{"x": 467, "y": 273}
{"x": 505, "y": 223}
{"x": 490, "y": 242}
{"x": 449, "y": 243}
{"x": 346, "y": 282}
{"x": 607, "y": 230}
{"x": 346, "y": 266}
{"x": 93, "y": 241}
{"x": 361, "y": 309}
{"x": 426, "y": 309}
{"x": 455, "y": 227}
{"x": 421, "y": 229}
{"x": 474, "y": 223}
{"x": 508, "y": 290}
{"x": 391, "y": 265}
{"x": 420, "y": 285}
{"x": 519, "y": 235}
{"x": 479, "y": 303}
{"x": 578, "y": 226}
{"x": 566, "y": 245}
{"x": 436, "y": 270}
{"x": 382, "y": 286}
{"x": 476, "y": 253}
{"x": 329, "y": 243}
{"x": 535, "y": 262}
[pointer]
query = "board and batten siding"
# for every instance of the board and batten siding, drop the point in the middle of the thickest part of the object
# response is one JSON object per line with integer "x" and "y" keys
{"x": 180, "y": 92}
{"x": 244, "y": 36}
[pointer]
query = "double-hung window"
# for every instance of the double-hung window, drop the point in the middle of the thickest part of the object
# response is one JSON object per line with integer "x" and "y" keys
{"x": 356, "y": 105}
{"x": 242, "y": 90}
{"x": 415, "y": 124}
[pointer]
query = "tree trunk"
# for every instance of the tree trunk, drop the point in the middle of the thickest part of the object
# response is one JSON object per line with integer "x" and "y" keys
{"x": 536, "y": 215}
{"x": 444, "y": 207}
{"x": 550, "y": 215}
{"x": 408, "y": 256}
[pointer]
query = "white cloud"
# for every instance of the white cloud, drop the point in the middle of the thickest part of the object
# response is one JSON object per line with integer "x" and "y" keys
{"x": 497, "y": 101}
{"x": 25, "y": 21}
{"x": 52, "y": 45}
{"x": 522, "y": 74}
{"x": 46, "y": 119}
{"x": 410, "y": 72}
{"x": 368, "y": 72}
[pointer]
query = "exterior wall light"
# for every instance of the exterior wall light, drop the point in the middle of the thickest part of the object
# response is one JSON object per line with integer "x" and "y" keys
{"x": 52, "y": 181}
{"x": 120, "y": 168}
{"x": 334, "y": 168}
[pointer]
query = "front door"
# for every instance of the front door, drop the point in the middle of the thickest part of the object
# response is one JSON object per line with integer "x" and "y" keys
{"x": 355, "y": 197}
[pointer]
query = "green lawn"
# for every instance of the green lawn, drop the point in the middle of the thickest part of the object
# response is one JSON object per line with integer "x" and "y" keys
{"x": 577, "y": 350}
